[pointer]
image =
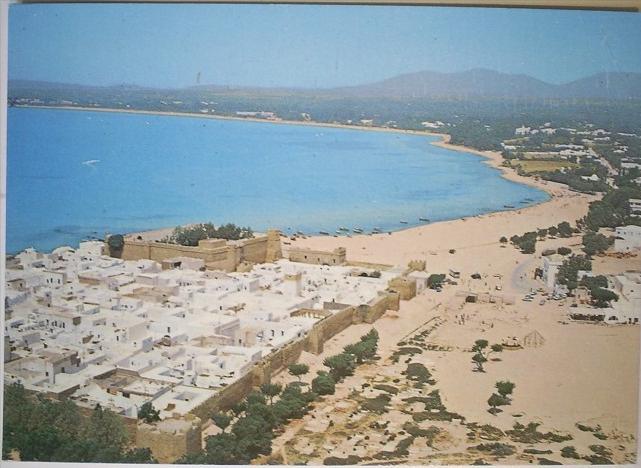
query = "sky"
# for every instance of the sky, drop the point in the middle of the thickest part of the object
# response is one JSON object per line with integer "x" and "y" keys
{"x": 161, "y": 45}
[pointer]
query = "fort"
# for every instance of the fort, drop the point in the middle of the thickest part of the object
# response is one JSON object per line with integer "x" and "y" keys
{"x": 217, "y": 254}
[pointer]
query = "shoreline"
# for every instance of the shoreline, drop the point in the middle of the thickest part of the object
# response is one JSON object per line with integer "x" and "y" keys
{"x": 491, "y": 158}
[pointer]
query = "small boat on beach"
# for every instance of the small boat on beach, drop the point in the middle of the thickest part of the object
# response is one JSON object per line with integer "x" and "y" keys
{"x": 324, "y": 233}
{"x": 357, "y": 230}
{"x": 342, "y": 228}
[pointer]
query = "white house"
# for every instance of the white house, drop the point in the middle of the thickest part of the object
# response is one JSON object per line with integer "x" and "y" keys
{"x": 627, "y": 238}
{"x": 551, "y": 266}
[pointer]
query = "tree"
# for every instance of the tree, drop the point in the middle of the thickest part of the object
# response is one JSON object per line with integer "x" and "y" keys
{"x": 594, "y": 282}
{"x": 479, "y": 357}
{"x": 602, "y": 297}
{"x": 239, "y": 408}
{"x": 565, "y": 230}
{"x": 553, "y": 231}
{"x": 503, "y": 240}
{"x": 340, "y": 365}
{"x": 495, "y": 401}
{"x": 323, "y": 384}
{"x": 569, "y": 269}
{"x": 594, "y": 243}
{"x": 222, "y": 449}
{"x": 298, "y": 370}
{"x": 221, "y": 420}
{"x": 528, "y": 246}
{"x": 362, "y": 350}
{"x": 479, "y": 360}
{"x": 542, "y": 233}
{"x": 480, "y": 345}
{"x": 148, "y": 413}
{"x": 253, "y": 437}
{"x": 271, "y": 390}
{"x": 106, "y": 430}
{"x": 116, "y": 241}
{"x": 371, "y": 335}
{"x": 563, "y": 251}
{"x": 435, "y": 280}
{"x": 505, "y": 388}
{"x": 497, "y": 348}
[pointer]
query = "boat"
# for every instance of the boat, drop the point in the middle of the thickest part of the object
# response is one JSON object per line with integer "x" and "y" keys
{"x": 523, "y": 202}
{"x": 402, "y": 222}
{"x": 300, "y": 233}
{"x": 423, "y": 219}
{"x": 357, "y": 230}
{"x": 508, "y": 206}
{"x": 376, "y": 231}
{"x": 325, "y": 233}
{"x": 343, "y": 228}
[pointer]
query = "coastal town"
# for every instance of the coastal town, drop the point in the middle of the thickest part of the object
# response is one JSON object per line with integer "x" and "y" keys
{"x": 274, "y": 234}
{"x": 190, "y": 331}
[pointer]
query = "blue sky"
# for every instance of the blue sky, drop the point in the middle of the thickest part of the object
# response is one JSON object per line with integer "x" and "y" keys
{"x": 309, "y": 46}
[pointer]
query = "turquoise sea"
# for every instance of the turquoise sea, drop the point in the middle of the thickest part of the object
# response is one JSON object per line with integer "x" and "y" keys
{"x": 74, "y": 174}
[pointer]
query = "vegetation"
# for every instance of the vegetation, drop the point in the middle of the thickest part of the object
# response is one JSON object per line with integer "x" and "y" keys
{"x": 529, "y": 166}
{"x": 481, "y": 354}
{"x": 569, "y": 269}
{"x": 116, "y": 242}
{"x": 191, "y": 235}
{"x": 323, "y": 384}
{"x": 39, "y": 429}
{"x": 435, "y": 280}
{"x": 569, "y": 452}
{"x": 148, "y": 413}
{"x": 613, "y": 209}
{"x": 530, "y": 434}
{"x": 602, "y": 298}
{"x": 298, "y": 370}
{"x": 343, "y": 364}
{"x": 594, "y": 243}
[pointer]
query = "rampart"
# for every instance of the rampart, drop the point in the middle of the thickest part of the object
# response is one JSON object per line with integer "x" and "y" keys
{"x": 337, "y": 256}
{"x": 216, "y": 253}
{"x": 313, "y": 342}
{"x": 171, "y": 438}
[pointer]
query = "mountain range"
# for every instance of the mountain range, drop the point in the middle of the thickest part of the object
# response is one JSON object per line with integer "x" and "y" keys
{"x": 476, "y": 83}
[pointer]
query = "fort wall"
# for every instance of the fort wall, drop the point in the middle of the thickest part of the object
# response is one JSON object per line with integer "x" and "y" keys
{"x": 217, "y": 254}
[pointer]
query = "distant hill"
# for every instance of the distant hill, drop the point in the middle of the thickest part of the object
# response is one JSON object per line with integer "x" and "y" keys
{"x": 476, "y": 83}
{"x": 492, "y": 84}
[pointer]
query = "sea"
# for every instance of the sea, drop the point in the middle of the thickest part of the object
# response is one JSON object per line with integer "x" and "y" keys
{"x": 73, "y": 175}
